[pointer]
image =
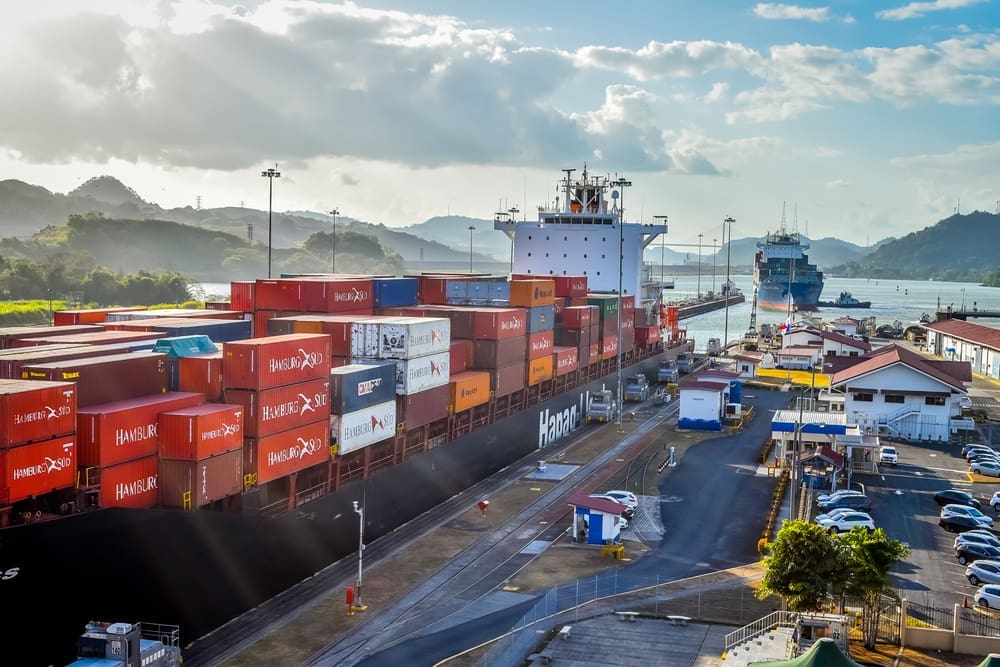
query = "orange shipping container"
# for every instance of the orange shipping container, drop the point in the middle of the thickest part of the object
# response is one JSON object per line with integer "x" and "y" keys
{"x": 36, "y": 469}
{"x": 609, "y": 347}
{"x": 530, "y": 293}
{"x": 468, "y": 389}
{"x": 539, "y": 370}
{"x": 565, "y": 359}
{"x": 202, "y": 374}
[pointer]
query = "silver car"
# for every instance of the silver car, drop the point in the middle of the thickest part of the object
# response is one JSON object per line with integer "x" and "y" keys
{"x": 978, "y": 538}
{"x": 963, "y": 510}
{"x": 983, "y": 572}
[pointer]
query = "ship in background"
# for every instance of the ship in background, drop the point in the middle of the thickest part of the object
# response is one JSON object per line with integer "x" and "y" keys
{"x": 199, "y": 568}
{"x": 783, "y": 278}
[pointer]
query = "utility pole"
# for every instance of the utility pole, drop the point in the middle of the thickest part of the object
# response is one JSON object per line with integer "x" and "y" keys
{"x": 333, "y": 252}
{"x": 471, "y": 229}
{"x": 699, "y": 266}
{"x": 729, "y": 252}
{"x": 715, "y": 255}
{"x": 622, "y": 184}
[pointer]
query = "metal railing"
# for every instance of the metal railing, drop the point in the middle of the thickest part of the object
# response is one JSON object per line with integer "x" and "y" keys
{"x": 979, "y": 622}
{"x": 759, "y": 627}
{"x": 927, "y": 616}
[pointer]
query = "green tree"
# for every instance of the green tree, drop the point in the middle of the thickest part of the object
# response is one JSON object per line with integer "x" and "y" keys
{"x": 867, "y": 557}
{"x": 804, "y": 561}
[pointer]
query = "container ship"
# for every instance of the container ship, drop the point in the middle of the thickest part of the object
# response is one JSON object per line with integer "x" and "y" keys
{"x": 783, "y": 278}
{"x": 184, "y": 466}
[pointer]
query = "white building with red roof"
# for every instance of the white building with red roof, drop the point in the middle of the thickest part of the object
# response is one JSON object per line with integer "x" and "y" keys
{"x": 958, "y": 340}
{"x": 830, "y": 343}
{"x": 897, "y": 392}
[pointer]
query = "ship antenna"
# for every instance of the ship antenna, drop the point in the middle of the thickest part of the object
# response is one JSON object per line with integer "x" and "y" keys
{"x": 782, "y": 216}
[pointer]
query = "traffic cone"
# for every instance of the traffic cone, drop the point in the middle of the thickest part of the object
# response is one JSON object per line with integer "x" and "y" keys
{"x": 965, "y": 602}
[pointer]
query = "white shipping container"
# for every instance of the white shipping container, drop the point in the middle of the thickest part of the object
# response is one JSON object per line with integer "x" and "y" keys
{"x": 355, "y": 430}
{"x": 416, "y": 375}
{"x": 411, "y": 337}
{"x": 364, "y": 338}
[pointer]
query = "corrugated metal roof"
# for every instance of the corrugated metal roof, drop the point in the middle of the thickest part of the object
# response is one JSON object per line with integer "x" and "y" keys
{"x": 581, "y": 499}
{"x": 894, "y": 354}
{"x": 969, "y": 331}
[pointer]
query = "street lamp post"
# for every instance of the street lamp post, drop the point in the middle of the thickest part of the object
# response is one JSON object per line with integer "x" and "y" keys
{"x": 471, "y": 229}
{"x": 360, "y": 511}
{"x": 621, "y": 183}
{"x": 699, "y": 266}
{"x": 725, "y": 288}
{"x": 715, "y": 254}
{"x": 333, "y": 252}
{"x": 270, "y": 174}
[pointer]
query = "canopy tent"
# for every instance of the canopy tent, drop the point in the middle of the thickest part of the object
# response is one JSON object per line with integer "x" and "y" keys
{"x": 824, "y": 653}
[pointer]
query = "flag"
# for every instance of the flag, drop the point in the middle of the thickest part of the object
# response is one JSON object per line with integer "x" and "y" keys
{"x": 785, "y": 326}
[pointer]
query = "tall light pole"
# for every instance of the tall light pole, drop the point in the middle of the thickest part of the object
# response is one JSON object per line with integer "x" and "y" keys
{"x": 360, "y": 511}
{"x": 699, "y": 266}
{"x": 725, "y": 288}
{"x": 621, "y": 183}
{"x": 715, "y": 254}
{"x": 471, "y": 229}
{"x": 270, "y": 174}
{"x": 333, "y": 252}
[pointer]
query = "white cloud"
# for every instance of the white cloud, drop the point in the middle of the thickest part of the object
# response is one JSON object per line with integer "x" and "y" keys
{"x": 772, "y": 10}
{"x": 658, "y": 60}
{"x": 719, "y": 92}
{"x": 838, "y": 184}
{"x": 962, "y": 157}
{"x": 918, "y": 9}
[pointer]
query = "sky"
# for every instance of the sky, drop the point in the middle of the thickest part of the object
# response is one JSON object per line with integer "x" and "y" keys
{"x": 862, "y": 118}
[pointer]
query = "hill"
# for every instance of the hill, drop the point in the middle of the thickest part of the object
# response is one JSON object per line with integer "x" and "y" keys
{"x": 960, "y": 248}
{"x": 825, "y": 252}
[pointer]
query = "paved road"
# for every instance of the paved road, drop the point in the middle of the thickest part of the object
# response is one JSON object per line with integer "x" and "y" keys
{"x": 713, "y": 512}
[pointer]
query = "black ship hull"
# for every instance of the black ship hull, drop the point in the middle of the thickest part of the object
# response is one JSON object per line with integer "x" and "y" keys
{"x": 201, "y": 569}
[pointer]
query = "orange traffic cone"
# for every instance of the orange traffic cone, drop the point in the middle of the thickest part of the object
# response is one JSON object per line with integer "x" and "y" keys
{"x": 965, "y": 602}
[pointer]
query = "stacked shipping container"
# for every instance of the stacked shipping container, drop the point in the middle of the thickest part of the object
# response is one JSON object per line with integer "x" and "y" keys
{"x": 201, "y": 455}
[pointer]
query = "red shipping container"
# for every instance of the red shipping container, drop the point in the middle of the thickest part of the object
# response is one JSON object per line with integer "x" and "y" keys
{"x": 627, "y": 341}
{"x": 463, "y": 320}
{"x": 628, "y": 303}
{"x": 408, "y": 311}
{"x": 460, "y": 356}
{"x": 261, "y": 363}
{"x": 105, "y": 379}
{"x": 558, "y": 305}
{"x": 33, "y": 411}
{"x": 202, "y": 374}
{"x": 508, "y": 379}
{"x": 282, "y": 454}
{"x": 241, "y": 295}
{"x": 261, "y": 319}
{"x": 36, "y": 469}
{"x": 578, "y": 317}
{"x": 609, "y": 347}
{"x": 133, "y": 484}
{"x": 565, "y": 360}
{"x": 326, "y": 295}
{"x": 647, "y": 335}
{"x": 276, "y": 294}
{"x": 92, "y": 338}
{"x": 488, "y": 354}
{"x": 433, "y": 288}
{"x": 579, "y": 301}
{"x": 125, "y": 430}
{"x": 540, "y": 344}
{"x": 569, "y": 286}
{"x": 201, "y": 431}
{"x": 270, "y": 411}
{"x": 9, "y": 334}
{"x": 584, "y": 355}
{"x": 203, "y": 481}
{"x": 594, "y": 352}
{"x": 500, "y": 323}
{"x": 88, "y": 315}
{"x": 628, "y": 325}
{"x": 423, "y": 407}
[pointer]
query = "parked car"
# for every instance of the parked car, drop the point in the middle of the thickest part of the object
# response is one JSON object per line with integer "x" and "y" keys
{"x": 981, "y": 531}
{"x": 966, "y": 553}
{"x": 974, "y": 445}
{"x": 834, "y": 513}
{"x": 982, "y": 455}
{"x": 978, "y": 538}
{"x": 995, "y": 502}
{"x": 989, "y": 468}
{"x": 959, "y": 524}
{"x": 845, "y": 522}
{"x": 627, "y": 512}
{"x": 983, "y": 572}
{"x": 955, "y": 497}
{"x": 624, "y": 497}
{"x": 965, "y": 510}
{"x": 988, "y": 596}
{"x": 823, "y": 497}
{"x": 887, "y": 455}
{"x": 862, "y": 503}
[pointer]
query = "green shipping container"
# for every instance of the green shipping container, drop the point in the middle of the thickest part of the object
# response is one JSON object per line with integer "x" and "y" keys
{"x": 607, "y": 305}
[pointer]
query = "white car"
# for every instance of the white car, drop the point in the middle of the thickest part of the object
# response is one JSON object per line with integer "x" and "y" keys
{"x": 988, "y": 596}
{"x": 887, "y": 455}
{"x": 995, "y": 502}
{"x": 989, "y": 468}
{"x": 845, "y": 522}
{"x": 836, "y": 513}
{"x": 983, "y": 572}
{"x": 624, "y": 497}
{"x": 824, "y": 497}
{"x": 964, "y": 510}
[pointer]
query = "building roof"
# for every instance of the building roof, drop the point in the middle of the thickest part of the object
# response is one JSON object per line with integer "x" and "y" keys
{"x": 797, "y": 351}
{"x": 745, "y": 357}
{"x": 821, "y": 423}
{"x": 713, "y": 384}
{"x": 833, "y": 364}
{"x": 581, "y": 499}
{"x": 826, "y": 454}
{"x": 969, "y": 331}
{"x": 845, "y": 340}
{"x": 889, "y": 356}
{"x": 960, "y": 370}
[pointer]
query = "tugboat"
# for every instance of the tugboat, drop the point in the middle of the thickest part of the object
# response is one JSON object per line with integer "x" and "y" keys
{"x": 845, "y": 300}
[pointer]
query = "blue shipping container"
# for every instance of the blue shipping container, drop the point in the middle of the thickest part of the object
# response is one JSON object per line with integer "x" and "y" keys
{"x": 356, "y": 386}
{"x": 500, "y": 290}
{"x": 220, "y": 331}
{"x": 394, "y": 292}
{"x": 456, "y": 289}
{"x": 541, "y": 318}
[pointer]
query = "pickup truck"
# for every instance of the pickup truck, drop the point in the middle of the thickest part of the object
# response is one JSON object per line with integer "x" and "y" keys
{"x": 887, "y": 455}
{"x": 603, "y": 407}
{"x": 636, "y": 388}
{"x": 667, "y": 372}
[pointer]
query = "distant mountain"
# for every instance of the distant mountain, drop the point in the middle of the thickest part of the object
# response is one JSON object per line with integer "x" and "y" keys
{"x": 109, "y": 190}
{"x": 962, "y": 247}
{"x": 453, "y": 231}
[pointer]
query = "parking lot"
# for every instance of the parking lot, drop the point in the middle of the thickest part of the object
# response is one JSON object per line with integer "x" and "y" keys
{"x": 903, "y": 505}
